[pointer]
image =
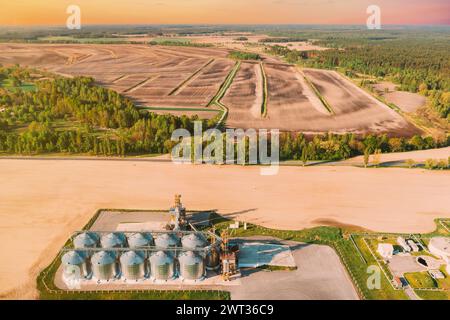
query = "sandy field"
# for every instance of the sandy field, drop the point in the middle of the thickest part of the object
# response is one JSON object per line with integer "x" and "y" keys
{"x": 189, "y": 77}
{"x": 417, "y": 156}
{"x": 43, "y": 201}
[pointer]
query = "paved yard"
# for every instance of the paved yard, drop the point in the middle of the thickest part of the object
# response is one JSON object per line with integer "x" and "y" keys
{"x": 319, "y": 275}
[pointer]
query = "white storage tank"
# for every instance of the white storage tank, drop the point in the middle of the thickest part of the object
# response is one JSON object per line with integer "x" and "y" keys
{"x": 75, "y": 264}
{"x": 162, "y": 266}
{"x": 194, "y": 241}
{"x": 103, "y": 265}
{"x": 86, "y": 240}
{"x": 440, "y": 246}
{"x": 113, "y": 240}
{"x": 192, "y": 266}
{"x": 167, "y": 240}
{"x": 132, "y": 265}
{"x": 140, "y": 239}
{"x": 212, "y": 260}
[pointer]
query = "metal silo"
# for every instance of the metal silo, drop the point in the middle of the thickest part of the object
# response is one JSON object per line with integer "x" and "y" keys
{"x": 167, "y": 240}
{"x": 103, "y": 265}
{"x": 86, "y": 240}
{"x": 212, "y": 259}
{"x": 75, "y": 265}
{"x": 194, "y": 241}
{"x": 132, "y": 264}
{"x": 140, "y": 240}
{"x": 162, "y": 266}
{"x": 192, "y": 266}
{"x": 113, "y": 240}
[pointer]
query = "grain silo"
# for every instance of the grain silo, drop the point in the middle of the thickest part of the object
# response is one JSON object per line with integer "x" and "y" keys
{"x": 167, "y": 240}
{"x": 140, "y": 240}
{"x": 212, "y": 260}
{"x": 132, "y": 264}
{"x": 85, "y": 240}
{"x": 113, "y": 240}
{"x": 76, "y": 265}
{"x": 194, "y": 241}
{"x": 103, "y": 265}
{"x": 162, "y": 266}
{"x": 192, "y": 266}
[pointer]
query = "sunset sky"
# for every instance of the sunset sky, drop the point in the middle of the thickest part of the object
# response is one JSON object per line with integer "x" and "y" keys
{"x": 53, "y": 12}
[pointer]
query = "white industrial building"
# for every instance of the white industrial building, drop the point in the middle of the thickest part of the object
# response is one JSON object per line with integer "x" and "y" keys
{"x": 386, "y": 250}
{"x": 440, "y": 246}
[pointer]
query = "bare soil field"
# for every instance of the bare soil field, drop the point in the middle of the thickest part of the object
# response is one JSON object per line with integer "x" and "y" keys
{"x": 172, "y": 77}
{"x": 406, "y": 101}
{"x": 245, "y": 96}
{"x": 300, "y": 46}
{"x": 355, "y": 109}
{"x": 43, "y": 201}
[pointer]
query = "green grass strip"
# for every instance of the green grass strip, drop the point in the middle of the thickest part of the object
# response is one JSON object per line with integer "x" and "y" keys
{"x": 319, "y": 95}
{"x": 225, "y": 85}
{"x": 265, "y": 91}
{"x": 177, "y": 88}
{"x": 178, "y": 109}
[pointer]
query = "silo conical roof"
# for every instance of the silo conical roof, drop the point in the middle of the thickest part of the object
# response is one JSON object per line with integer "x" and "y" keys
{"x": 112, "y": 240}
{"x": 85, "y": 240}
{"x": 131, "y": 258}
{"x": 189, "y": 258}
{"x": 161, "y": 258}
{"x": 73, "y": 258}
{"x": 194, "y": 241}
{"x": 141, "y": 239}
{"x": 102, "y": 258}
{"x": 166, "y": 240}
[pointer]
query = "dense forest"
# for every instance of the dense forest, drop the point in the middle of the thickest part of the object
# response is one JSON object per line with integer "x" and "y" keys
{"x": 76, "y": 116}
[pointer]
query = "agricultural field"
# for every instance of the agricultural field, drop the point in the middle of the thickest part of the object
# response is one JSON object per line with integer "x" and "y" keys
{"x": 349, "y": 103}
{"x": 169, "y": 79}
{"x": 406, "y": 101}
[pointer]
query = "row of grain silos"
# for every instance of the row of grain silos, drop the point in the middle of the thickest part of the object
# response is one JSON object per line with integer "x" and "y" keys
{"x": 137, "y": 263}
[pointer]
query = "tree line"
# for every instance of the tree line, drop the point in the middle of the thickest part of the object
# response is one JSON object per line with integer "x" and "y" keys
{"x": 76, "y": 116}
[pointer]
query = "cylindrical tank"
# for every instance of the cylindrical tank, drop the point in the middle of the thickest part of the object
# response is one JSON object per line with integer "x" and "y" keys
{"x": 140, "y": 240}
{"x": 167, "y": 240}
{"x": 212, "y": 259}
{"x": 162, "y": 266}
{"x": 192, "y": 266}
{"x": 85, "y": 240}
{"x": 132, "y": 264}
{"x": 103, "y": 265}
{"x": 113, "y": 240}
{"x": 194, "y": 241}
{"x": 75, "y": 264}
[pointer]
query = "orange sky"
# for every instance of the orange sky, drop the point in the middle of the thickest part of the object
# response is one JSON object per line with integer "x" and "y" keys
{"x": 53, "y": 12}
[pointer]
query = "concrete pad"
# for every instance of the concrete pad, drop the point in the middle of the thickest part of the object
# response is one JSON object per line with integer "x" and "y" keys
{"x": 400, "y": 264}
{"x": 114, "y": 220}
{"x": 260, "y": 254}
{"x": 141, "y": 226}
{"x": 320, "y": 276}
